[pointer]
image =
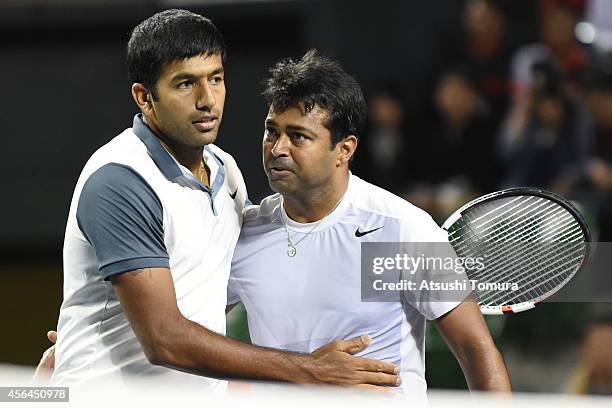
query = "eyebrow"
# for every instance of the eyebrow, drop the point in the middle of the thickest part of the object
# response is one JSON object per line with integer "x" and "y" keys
{"x": 186, "y": 75}
{"x": 271, "y": 122}
{"x": 217, "y": 71}
{"x": 300, "y": 128}
{"x": 182, "y": 76}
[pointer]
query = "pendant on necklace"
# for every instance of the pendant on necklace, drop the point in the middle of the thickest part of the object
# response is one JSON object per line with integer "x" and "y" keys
{"x": 291, "y": 251}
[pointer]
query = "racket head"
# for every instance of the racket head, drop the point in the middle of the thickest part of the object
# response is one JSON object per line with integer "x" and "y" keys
{"x": 485, "y": 216}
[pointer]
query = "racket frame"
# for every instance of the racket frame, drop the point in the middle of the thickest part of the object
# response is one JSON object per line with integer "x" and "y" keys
{"x": 523, "y": 191}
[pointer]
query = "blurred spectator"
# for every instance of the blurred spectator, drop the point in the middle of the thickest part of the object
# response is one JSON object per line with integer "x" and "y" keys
{"x": 455, "y": 160}
{"x": 550, "y": 150}
{"x": 557, "y": 47}
{"x": 558, "y": 44}
{"x": 485, "y": 53}
{"x": 558, "y": 23}
{"x": 598, "y": 169}
{"x": 599, "y": 97}
{"x": 385, "y": 145}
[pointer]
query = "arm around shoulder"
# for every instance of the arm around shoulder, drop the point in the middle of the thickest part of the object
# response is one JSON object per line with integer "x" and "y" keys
{"x": 171, "y": 340}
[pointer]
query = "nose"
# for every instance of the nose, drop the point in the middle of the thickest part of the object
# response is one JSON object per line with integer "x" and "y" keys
{"x": 281, "y": 146}
{"x": 205, "y": 98}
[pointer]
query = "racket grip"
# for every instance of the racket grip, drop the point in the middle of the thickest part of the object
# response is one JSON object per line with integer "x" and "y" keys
{"x": 523, "y": 307}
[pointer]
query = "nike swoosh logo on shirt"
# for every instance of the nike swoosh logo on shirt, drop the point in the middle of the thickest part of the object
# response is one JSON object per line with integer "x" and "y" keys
{"x": 233, "y": 195}
{"x": 361, "y": 234}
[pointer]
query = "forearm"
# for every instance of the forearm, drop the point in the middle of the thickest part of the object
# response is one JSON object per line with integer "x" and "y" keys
{"x": 484, "y": 368}
{"x": 171, "y": 340}
{"x": 189, "y": 347}
{"x": 468, "y": 337}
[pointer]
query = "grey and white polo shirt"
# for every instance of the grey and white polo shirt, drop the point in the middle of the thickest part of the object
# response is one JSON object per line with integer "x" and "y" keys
{"x": 135, "y": 207}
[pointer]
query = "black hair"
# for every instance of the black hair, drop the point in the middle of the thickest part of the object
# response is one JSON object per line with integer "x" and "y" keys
{"x": 317, "y": 80}
{"x": 168, "y": 36}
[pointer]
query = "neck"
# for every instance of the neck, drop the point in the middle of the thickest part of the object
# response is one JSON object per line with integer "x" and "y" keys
{"x": 189, "y": 157}
{"x": 316, "y": 205}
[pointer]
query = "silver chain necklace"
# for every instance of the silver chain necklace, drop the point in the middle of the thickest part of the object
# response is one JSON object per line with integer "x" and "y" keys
{"x": 291, "y": 247}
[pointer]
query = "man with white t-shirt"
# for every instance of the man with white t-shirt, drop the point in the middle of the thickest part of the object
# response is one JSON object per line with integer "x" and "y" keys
{"x": 296, "y": 266}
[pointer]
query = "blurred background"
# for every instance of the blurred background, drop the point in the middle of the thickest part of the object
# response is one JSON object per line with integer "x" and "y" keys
{"x": 464, "y": 96}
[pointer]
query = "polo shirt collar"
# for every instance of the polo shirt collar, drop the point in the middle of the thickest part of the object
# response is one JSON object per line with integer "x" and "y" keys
{"x": 158, "y": 153}
{"x": 168, "y": 164}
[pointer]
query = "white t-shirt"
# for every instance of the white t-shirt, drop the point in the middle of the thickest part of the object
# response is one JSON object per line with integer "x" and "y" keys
{"x": 301, "y": 303}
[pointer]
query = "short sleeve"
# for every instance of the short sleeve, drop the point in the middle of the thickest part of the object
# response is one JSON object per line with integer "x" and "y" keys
{"x": 122, "y": 218}
{"x": 424, "y": 239}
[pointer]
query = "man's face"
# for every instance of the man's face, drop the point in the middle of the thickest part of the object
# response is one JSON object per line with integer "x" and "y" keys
{"x": 190, "y": 98}
{"x": 455, "y": 98}
{"x": 296, "y": 151}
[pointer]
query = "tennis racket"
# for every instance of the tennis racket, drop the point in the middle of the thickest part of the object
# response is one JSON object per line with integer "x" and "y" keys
{"x": 533, "y": 238}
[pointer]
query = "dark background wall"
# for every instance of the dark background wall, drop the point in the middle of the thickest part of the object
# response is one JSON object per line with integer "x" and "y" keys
{"x": 65, "y": 93}
{"x": 65, "y": 90}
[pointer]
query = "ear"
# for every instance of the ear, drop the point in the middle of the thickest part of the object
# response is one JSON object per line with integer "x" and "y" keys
{"x": 142, "y": 97}
{"x": 346, "y": 149}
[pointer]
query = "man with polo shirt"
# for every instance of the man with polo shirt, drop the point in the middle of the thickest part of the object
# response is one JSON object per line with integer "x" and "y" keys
{"x": 313, "y": 229}
{"x": 152, "y": 225}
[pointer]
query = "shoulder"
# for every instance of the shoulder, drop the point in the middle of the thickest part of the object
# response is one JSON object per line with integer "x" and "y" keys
{"x": 417, "y": 223}
{"x": 125, "y": 148}
{"x": 115, "y": 185}
{"x": 370, "y": 197}
{"x": 123, "y": 164}
{"x": 121, "y": 217}
{"x": 116, "y": 177}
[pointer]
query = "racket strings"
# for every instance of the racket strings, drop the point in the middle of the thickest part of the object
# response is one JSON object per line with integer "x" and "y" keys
{"x": 528, "y": 259}
{"x": 523, "y": 224}
{"x": 506, "y": 230}
{"x": 531, "y": 241}
{"x": 491, "y": 212}
{"x": 540, "y": 285}
{"x": 499, "y": 234}
{"x": 534, "y": 280}
{"x": 556, "y": 273}
{"x": 502, "y": 226}
{"x": 457, "y": 230}
{"x": 498, "y": 257}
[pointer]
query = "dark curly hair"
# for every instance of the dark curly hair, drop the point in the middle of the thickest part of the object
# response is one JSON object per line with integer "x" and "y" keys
{"x": 168, "y": 36}
{"x": 318, "y": 80}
